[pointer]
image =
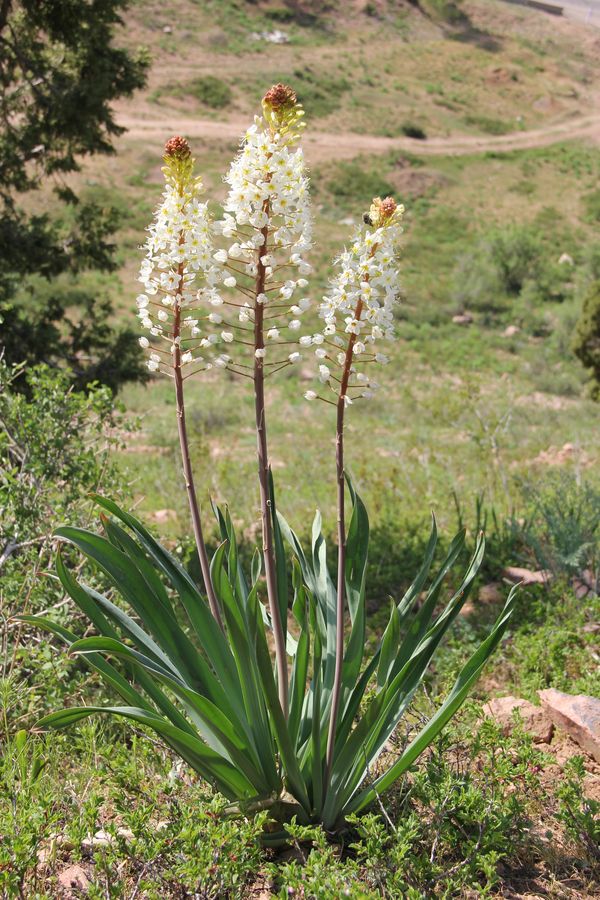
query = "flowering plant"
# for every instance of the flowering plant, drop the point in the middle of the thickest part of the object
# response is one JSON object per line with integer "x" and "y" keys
{"x": 300, "y": 731}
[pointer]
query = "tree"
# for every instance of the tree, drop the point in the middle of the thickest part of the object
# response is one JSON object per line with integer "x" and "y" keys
{"x": 586, "y": 340}
{"x": 59, "y": 73}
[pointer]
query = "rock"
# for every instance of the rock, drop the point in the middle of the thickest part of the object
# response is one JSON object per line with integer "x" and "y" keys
{"x": 578, "y": 715}
{"x": 510, "y": 331}
{"x": 163, "y": 515}
{"x": 536, "y": 720}
{"x": 126, "y": 834}
{"x": 462, "y": 319}
{"x": 74, "y": 878}
{"x": 565, "y": 259}
{"x": 167, "y": 29}
{"x": 101, "y": 839}
{"x": 526, "y": 576}
{"x": 491, "y": 593}
{"x": 271, "y": 37}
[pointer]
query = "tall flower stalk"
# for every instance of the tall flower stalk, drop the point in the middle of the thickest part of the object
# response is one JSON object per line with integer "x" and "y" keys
{"x": 178, "y": 259}
{"x": 267, "y": 207}
{"x": 362, "y": 296}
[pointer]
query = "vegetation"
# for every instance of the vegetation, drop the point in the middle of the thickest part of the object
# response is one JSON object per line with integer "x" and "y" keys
{"x": 487, "y": 421}
{"x": 61, "y": 70}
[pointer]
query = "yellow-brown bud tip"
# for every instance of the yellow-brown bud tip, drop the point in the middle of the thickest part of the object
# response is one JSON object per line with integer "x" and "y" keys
{"x": 177, "y": 148}
{"x": 388, "y": 207}
{"x": 280, "y": 95}
{"x": 381, "y": 212}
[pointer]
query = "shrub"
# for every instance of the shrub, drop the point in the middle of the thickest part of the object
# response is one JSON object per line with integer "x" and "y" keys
{"x": 211, "y": 91}
{"x": 586, "y": 340}
{"x": 411, "y": 130}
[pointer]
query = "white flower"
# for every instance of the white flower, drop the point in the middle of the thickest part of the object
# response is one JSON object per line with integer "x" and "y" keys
{"x": 178, "y": 265}
{"x": 273, "y": 333}
{"x": 227, "y": 336}
{"x": 260, "y": 353}
{"x": 229, "y": 282}
{"x": 310, "y": 395}
{"x": 295, "y": 356}
{"x": 358, "y": 311}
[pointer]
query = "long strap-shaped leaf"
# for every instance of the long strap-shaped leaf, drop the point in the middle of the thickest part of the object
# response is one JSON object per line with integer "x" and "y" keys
{"x": 294, "y": 779}
{"x": 361, "y": 751}
{"x": 90, "y": 602}
{"x": 465, "y": 680}
{"x": 357, "y": 549}
{"x": 213, "y": 725}
{"x": 130, "y": 583}
{"x": 256, "y": 720}
{"x": 212, "y": 766}
{"x": 210, "y": 636}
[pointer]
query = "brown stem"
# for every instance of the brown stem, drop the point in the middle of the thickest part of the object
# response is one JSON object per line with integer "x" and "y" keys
{"x": 341, "y": 533}
{"x": 263, "y": 479}
{"x": 187, "y": 466}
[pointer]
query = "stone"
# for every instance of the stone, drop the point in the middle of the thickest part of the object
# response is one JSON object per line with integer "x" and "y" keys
{"x": 163, "y": 515}
{"x": 566, "y": 259}
{"x": 101, "y": 839}
{"x": 536, "y": 720}
{"x": 462, "y": 319}
{"x": 491, "y": 593}
{"x": 510, "y": 331}
{"x": 525, "y": 576}
{"x": 578, "y": 715}
{"x": 74, "y": 878}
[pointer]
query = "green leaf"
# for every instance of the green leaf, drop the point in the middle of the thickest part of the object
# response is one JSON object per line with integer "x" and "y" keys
{"x": 232, "y": 783}
{"x": 464, "y": 682}
{"x": 357, "y": 549}
{"x": 280, "y": 560}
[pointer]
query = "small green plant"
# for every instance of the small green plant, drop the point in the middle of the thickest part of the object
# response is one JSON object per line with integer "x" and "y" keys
{"x": 489, "y": 125}
{"x": 579, "y": 814}
{"x": 301, "y": 736}
{"x": 586, "y": 340}
{"x": 412, "y": 130}
{"x": 211, "y": 91}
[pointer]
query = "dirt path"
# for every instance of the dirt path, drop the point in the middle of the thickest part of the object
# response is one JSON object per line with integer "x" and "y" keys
{"x": 321, "y": 146}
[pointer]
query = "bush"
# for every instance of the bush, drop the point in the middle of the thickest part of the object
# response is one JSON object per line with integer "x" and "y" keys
{"x": 352, "y": 180}
{"x": 54, "y": 450}
{"x": 586, "y": 340}
{"x": 512, "y": 262}
{"x": 413, "y": 131}
{"x": 211, "y": 91}
{"x": 489, "y": 125}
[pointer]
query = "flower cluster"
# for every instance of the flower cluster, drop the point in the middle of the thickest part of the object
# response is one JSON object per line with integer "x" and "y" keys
{"x": 179, "y": 273}
{"x": 358, "y": 311}
{"x": 267, "y": 215}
